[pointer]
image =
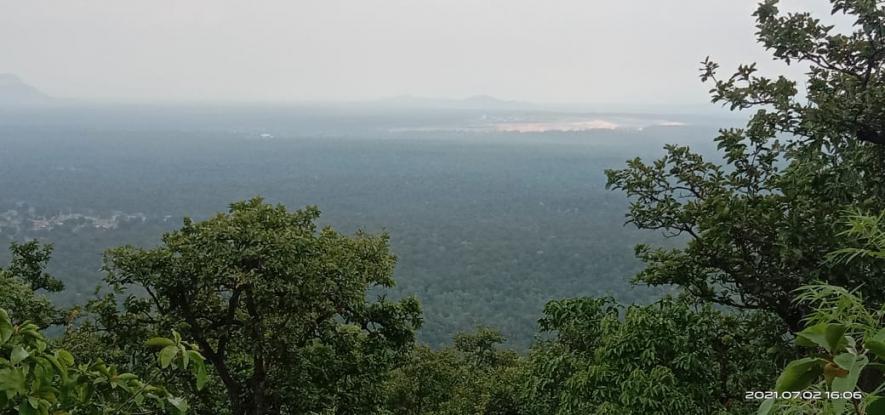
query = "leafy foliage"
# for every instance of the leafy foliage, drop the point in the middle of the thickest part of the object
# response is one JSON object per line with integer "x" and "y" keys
{"x": 847, "y": 342}
{"x": 760, "y": 224}
{"x": 21, "y": 281}
{"x": 669, "y": 357}
{"x": 868, "y": 234}
{"x": 277, "y": 306}
{"x": 36, "y": 378}
{"x": 847, "y": 336}
{"x": 475, "y": 376}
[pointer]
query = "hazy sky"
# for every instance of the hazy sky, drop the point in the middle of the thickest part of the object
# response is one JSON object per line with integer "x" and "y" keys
{"x": 597, "y": 51}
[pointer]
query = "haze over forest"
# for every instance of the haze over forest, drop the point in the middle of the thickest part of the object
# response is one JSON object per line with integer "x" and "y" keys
{"x": 477, "y": 194}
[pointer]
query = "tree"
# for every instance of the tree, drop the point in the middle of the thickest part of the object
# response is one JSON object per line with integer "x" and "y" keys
{"x": 475, "y": 376}
{"x": 670, "y": 357}
{"x": 22, "y": 281}
{"x": 845, "y": 339}
{"x": 759, "y": 225}
{"x": 277, "y": 307}
{"x": 38, "y": 379}
{"x": 425, "y": 382}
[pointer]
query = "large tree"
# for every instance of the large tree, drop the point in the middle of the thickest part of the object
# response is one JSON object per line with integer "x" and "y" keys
{"x": 23, "y": 284}
{"x": 760, "y": 224}
{"x": 475, "y": 376}
{"x": 670, "y": 357}
{"x": 277, "y": 306}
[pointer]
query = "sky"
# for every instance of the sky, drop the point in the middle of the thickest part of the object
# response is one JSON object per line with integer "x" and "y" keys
{"x": 546, "y": 51}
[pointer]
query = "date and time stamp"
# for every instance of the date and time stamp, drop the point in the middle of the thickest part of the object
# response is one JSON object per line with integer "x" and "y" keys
{"x": 804, "y": 395}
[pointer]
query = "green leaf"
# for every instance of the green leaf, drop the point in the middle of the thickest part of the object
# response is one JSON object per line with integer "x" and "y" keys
{"x": 185, "y": 357}
{"x": 829, "y": 336}
{"x": 766, "y": 407}
{"x": 199, "y": 369}
{"x": 195, "y": 355}
{"x": 167, "y": 354}
{"x": 6, "y": 329}
{"x": 18, "y": 355}
{"x": 157, "y": 342}
{"x": 64, "y": 357}
{"x": 876, "y": 407}
{"x": 876, "y": 344}
{"x": 12, "y": 381}
{"x": 799, "y": 374}
{"x": 26, "y": 410}
{"x": 854, "y": 365}
{"x": 127, "y": 376}
{"x": 179, "y": 404}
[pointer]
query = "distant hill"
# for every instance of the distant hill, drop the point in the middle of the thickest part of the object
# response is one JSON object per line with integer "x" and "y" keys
{"x": 14, "y": 92}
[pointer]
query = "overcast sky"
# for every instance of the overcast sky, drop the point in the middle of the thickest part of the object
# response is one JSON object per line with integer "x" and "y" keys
{"x": 595, "y": 51}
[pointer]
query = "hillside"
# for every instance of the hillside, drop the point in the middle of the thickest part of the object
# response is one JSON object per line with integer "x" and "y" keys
{"x": 15, "y": 92}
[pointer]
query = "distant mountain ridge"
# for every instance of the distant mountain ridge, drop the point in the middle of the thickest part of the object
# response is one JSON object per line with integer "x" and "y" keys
{"x": 476, "y": 102}
{"x": 15, "y": 92}
{"x": 491, "y": 103}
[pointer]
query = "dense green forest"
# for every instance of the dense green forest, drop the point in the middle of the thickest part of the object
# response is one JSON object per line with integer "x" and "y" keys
{"x": 486, "y": 226}
{"x": 765, "y": 296}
